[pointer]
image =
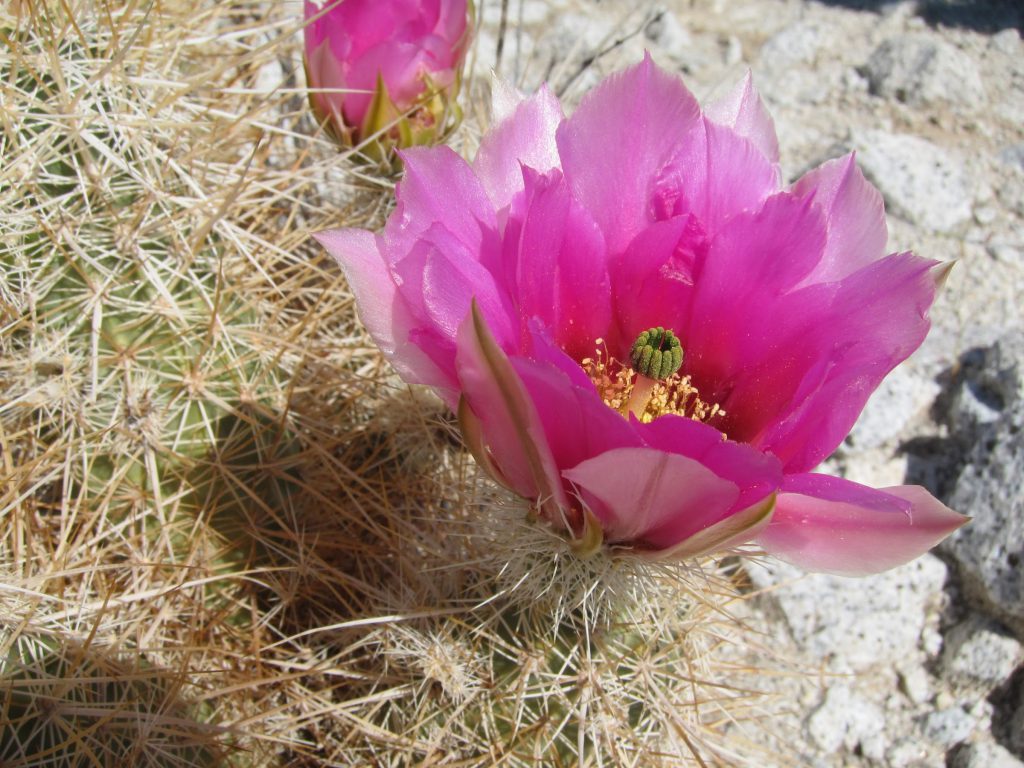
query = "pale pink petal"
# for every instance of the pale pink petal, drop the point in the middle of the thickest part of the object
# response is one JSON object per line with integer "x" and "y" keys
{"x": 525, "y": 138}
{"x": 755, "y": 473}
{"x": 831, "y": 525}
{"x": 385, "y": 314}
{"x": 438, "y": 280}
{"x": 714, "y": 175}
{"x": 440, "y": 187}
{"x": 509, "y": 422}
{"x": 505, "y": 97}
{"x": 327, "y": 81}
{"x": 743, "y": 111}
{"x": 617, "y": 141}
{"x": 648, "y": 496}
{"x": 854, "y": 216}
{"x": 875, "y": 319}
{"x": 556, "y": 256}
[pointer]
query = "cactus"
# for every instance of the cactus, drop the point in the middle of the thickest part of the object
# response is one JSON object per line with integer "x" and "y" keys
{"x": 66, "y": 704}
{"x": 208, "y": 472}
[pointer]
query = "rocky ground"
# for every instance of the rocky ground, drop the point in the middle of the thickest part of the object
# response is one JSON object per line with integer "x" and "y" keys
{"x": 920, "y": 666}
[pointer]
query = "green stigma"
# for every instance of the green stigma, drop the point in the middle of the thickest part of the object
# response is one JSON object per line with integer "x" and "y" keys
{"x": 656, "y": 354}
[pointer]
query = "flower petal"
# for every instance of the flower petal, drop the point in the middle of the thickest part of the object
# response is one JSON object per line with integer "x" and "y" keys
{"x": 508, "y": 419}
{"x": 438, "y": 280}
{"x": 525, "y": 138}
{"x": 652, "y": 280}
{"x": 743, "y": 111}
{"x": 637, "y": 493}
{"x": 384, "y": 313}
{"x": 440, "y": 187}
{"x": 874, "y": 320}
{"x": 831, "y": 525}
{"x": 715, "y": 175}
{"x": 556, "y": 256}
{"x": 732, "y": 531}
{"x": 741, "y": 285}
{"x": 618, "y": 139}
{"x": 854, "y": 215}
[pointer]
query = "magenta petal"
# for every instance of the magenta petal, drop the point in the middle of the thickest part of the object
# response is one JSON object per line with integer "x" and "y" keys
{"x": 652, "y": 280}
{"x": 525, "y": 138}
{"x": 854, "y": 215}
{"x": 831, "y": 525}
{"x": 385, "y": 314}
{"x": 613, "y": 146}
{"x": 578, "y": 425}
{"x": 509, "y": 423}
{"x": 743, "y": 281}
{"x": 742, "y": 110}
{"x": 399, "y": 64}
{"x": 877, "y": 317}
{"x": 715, "y": 175}
{"x": 638, "y": 493}
{"x": 556, "y": 256}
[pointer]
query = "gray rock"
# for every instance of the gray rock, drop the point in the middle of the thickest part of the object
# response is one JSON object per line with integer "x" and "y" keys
{"x": 992, "y": 379}
{"x": 921, "y": 71}
{"x": 857, "y": 622}
{"x": 948, "y": 726}
{"x": 989, "y": 551}
{"x": 847, "y": 720}
{"x": 923, "y": 183}
{"x": 984, "y": 754}
{"x": 978, "y": 652}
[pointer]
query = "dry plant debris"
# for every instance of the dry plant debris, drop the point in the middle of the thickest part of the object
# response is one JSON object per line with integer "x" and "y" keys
{"x": 228, "y": 534}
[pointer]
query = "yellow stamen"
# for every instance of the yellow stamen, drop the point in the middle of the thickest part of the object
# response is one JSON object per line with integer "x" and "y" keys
{"x": 624, "y": 390}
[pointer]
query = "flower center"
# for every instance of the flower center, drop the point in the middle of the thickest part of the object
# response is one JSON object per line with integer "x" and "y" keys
{"x": 652, "y": 386}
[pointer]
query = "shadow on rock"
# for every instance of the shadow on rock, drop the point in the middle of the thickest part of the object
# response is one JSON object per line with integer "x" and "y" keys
{"x": 987, "y": 16}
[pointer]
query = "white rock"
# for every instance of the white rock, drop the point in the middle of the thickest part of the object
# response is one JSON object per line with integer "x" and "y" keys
{"x": 921, "y": 70}
{"x": 856, "y": 622}
{"x": 948, "y": 726}
{"x": 921, "y": 182}
{"x": 845, "y": 720}
{"x": 984, "y": 754}
{"x": 915, "y": 683}
{"x": 977, "y": 652}
{"x": 1007, "y": 41}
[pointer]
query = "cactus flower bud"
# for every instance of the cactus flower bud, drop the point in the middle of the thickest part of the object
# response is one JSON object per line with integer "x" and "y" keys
{"x": 387, "y": 71}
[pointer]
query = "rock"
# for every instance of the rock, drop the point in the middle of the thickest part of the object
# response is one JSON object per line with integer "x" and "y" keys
{"x": 948, "y": 726}
{"x": 915, "y": 683}
{"x": 984, "y": 754}
{"x": 979, "y": 652}
{"x": 991, "y": 379}
{"x": 859, "y": 622}
{"x": 1007, "y": 41}
{"x": 989, "y": 551}
{"x": 925, "y": 184}
{"x": 922, "y": 71}
{"x": 901, "y": 396}
{"x": 848, "y": 720}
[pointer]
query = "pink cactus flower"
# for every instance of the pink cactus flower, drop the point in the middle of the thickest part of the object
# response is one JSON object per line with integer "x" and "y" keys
{"x": 644, "y": 333}
{"x": 379, "y": 63}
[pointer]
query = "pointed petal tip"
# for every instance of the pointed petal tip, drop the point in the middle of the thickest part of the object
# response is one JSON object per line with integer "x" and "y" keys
{"x": 941, "y": 272}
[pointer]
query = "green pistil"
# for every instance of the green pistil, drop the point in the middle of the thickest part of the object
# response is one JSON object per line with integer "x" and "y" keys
{"x": 656, "y": 354}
